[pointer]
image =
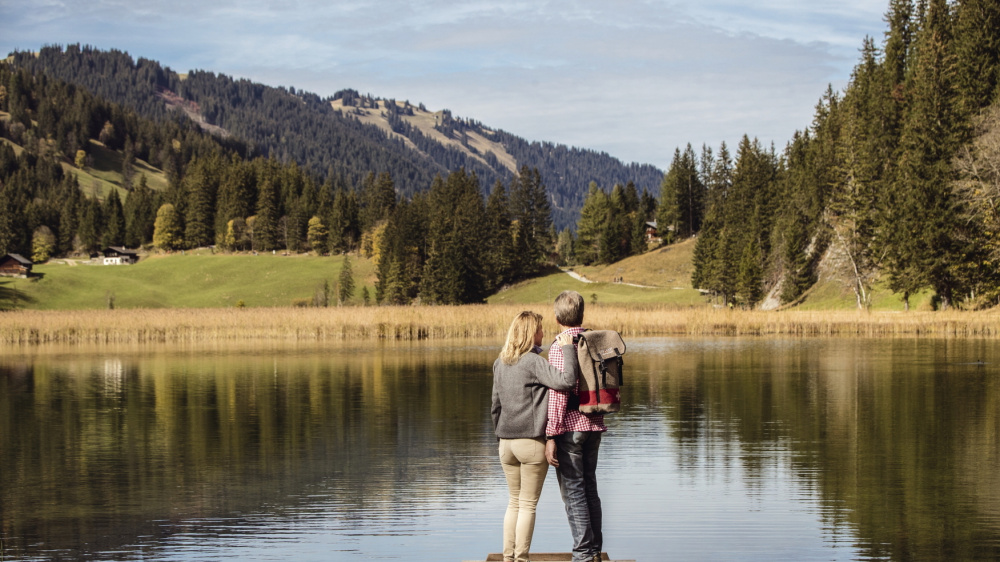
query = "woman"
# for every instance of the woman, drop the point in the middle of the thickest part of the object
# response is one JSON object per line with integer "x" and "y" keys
{"x": 521, "y": 379}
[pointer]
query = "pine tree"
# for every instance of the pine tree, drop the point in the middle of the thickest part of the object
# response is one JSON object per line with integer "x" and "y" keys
{"x": 857, "y": 207}
{"x": 344, "y": 231}
{"x": 91, "y": 225}
{"x": 637, "y": 244}
{"x": 798, "y": 269}
{"x": 72, "y": 199}
{"x": 114, "y": 233}
{"x": 378, "y": 199}
{"x": 590, "y": 227}
{"x": 749, "y": 275}
{"x": 669, "y": 211}
{"x": 977, "y": 55}
{"x": 455, "y": 270}
{"x": 236, "y": 195}
{"x": 265, "y": 229}
{"x": 530, "y": 209}
{"x": 927, "y": 248}
{"x": 744, "y": 228}
{"x": 682, "y": 198}
{"x": 898, "y": 39}
{"x": 617, "y": 232}
{"x": 346, "y": 282}
{"x": 499, "y": 248}
{"x": 712, "y": 261}
{"x": 7, "y": 214}
{"x": 139, "y": 210}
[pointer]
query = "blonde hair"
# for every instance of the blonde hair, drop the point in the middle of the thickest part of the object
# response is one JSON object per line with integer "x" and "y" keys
{"x": 520, "y": 336}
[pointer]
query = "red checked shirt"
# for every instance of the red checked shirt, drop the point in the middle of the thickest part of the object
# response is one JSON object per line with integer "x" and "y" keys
{"x": 561, "y": 421}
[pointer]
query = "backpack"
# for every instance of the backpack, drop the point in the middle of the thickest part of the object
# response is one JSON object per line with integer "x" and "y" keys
{"x": 599, "y": 353}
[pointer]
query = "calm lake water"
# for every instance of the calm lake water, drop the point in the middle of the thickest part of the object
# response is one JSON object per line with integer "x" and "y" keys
{"x": 726, "y": 449}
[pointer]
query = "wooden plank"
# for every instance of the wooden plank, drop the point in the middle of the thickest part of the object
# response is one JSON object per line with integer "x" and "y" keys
{"x": 546, "y": 557}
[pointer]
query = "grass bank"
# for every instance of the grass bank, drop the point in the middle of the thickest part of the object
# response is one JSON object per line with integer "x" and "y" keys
{"x": 18, "y": 328}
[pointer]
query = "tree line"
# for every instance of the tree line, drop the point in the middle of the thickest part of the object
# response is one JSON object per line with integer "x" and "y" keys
{"x": 895, "y": 179}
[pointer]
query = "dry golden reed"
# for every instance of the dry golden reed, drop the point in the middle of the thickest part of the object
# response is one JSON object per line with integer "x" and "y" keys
{"x": 469, "y": 321}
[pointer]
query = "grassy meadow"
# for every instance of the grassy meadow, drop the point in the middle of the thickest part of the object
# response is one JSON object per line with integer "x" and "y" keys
{"x": 195, "y": 279}
{"x": 103, "y": 173}
{"x": 661, "y": 276}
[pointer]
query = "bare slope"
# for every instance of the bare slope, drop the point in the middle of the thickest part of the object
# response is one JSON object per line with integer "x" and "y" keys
{"x": 426, "y": 122}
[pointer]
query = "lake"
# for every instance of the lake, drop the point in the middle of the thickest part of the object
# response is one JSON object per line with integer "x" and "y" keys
{"x": 725, "y": 449}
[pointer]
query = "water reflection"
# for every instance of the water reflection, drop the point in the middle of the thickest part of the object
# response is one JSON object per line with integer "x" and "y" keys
{"x": 725, "y": 449}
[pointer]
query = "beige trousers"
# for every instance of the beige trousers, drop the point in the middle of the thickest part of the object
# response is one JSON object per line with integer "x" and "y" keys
{"x": 523, "y": 462}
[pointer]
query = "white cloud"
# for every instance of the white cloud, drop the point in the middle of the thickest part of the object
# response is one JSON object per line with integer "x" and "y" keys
{"x": 635, "y": 78}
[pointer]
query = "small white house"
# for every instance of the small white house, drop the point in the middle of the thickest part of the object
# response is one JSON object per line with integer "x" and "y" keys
{"x": 117, "y": 255}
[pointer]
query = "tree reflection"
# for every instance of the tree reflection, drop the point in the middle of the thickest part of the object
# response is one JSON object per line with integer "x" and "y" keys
{"x": 901, "y": 437}
{"x": 102, "y": 450}
{"x": 899, "y": 440}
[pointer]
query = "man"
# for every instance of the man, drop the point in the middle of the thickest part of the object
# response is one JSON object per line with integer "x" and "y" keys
{"x": 572, "y": 443}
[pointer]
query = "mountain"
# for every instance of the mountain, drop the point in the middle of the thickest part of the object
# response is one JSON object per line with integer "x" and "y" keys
{"x": 343, "y": 136}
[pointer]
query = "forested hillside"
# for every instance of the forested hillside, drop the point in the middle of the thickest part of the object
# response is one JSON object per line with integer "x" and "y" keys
{"x": 444, "y": 244}
{"x": 897, "y": 180}
{"x": 302, "y": 127}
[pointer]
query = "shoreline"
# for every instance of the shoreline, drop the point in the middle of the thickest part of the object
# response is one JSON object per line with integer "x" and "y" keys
{"x": 413, "y": 323}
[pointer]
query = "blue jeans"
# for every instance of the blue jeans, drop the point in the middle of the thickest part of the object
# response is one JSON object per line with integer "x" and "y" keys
{"x": 577, "y": 475}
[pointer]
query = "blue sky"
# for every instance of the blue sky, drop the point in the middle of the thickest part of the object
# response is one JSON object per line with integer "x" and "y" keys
{"x": 633, "y": 78}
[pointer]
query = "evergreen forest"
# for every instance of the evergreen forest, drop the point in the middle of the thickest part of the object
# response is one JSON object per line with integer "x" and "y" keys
{"x": 895, "y": 183}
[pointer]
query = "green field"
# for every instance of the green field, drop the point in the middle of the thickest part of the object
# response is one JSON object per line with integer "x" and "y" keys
{"x": 201, "y": 279}
{"x": 544, "y": 289}
{"x": 189, "y": 280}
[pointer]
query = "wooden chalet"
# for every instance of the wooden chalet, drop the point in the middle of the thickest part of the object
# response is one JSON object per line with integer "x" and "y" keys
{"x": 15, "y": 265}
{"x": 652, "y": 235}
{"x": 117, "y": 255}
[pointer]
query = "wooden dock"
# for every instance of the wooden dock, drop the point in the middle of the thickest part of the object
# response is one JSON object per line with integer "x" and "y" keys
{"x": 548, "y": 557}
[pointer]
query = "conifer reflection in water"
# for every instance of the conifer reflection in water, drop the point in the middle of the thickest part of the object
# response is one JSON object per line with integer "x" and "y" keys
{"x": 726, "y": 448}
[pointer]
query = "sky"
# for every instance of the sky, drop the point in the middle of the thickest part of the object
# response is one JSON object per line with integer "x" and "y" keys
{"x": 636, "y": 79}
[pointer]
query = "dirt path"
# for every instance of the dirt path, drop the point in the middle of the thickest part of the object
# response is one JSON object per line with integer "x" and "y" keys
{"x": 583, "y": 279}
{"x": 576, "y": 275}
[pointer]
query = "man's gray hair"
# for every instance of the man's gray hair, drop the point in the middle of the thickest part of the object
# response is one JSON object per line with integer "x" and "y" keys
{"x": 569, "y": 309}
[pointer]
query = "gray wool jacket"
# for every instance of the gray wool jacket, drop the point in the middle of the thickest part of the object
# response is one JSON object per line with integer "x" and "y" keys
{"x": 520, "y": 393}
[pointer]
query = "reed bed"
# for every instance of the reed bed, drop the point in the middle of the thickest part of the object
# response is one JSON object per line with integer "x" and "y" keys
{"x": 19, "y": 328}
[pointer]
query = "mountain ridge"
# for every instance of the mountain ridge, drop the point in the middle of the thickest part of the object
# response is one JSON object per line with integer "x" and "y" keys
{"x": 344, "y": 136}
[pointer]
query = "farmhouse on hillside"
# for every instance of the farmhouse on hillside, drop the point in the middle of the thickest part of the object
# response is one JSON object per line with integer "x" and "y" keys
{"x": 651, "y": 233}
{"x": 117, "y": 255}
{"x": 15, "y": 265}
